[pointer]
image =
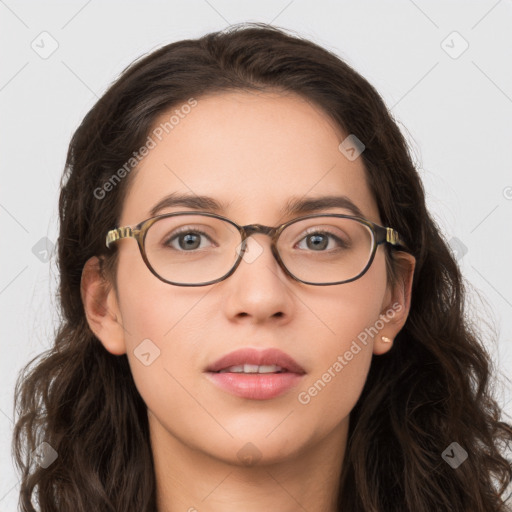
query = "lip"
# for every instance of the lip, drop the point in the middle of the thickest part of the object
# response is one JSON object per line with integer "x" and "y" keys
{"x": 256, "y": 386}
{"x": 260, "y": 357}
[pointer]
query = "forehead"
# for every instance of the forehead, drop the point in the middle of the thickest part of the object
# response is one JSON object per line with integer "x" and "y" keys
{"x": 251, "y": 151}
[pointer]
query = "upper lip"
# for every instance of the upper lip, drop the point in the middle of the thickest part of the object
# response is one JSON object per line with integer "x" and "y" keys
{"x": 270, "y": 356}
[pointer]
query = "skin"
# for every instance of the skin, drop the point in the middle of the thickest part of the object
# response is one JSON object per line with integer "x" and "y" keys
{"x": 231, "y": 147}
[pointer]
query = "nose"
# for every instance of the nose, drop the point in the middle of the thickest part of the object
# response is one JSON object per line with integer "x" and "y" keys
{"x": 259, "y": 288}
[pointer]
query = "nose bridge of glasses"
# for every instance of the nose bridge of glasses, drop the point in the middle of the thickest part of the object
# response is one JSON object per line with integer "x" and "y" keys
{"x": 253, "y": 229}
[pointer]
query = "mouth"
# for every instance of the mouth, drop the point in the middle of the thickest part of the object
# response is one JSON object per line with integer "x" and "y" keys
{"x": 254, "y": 368}
{"x": 255, "y": 374}
{"x": 250, "y": 360}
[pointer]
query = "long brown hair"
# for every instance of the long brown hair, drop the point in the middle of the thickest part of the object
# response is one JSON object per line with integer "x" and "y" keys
{"x": 432, "y": 389}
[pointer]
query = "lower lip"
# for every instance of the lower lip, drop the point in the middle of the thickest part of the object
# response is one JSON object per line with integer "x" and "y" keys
{"x": 255, "y": 386}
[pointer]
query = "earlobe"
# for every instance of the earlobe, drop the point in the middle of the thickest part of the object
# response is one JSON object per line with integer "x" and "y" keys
{"x": 101, "y": 308}
{"x": 397, "y": 305}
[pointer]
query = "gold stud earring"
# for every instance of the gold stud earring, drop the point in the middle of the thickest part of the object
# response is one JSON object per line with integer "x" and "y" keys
{"x": 385, "y": 339}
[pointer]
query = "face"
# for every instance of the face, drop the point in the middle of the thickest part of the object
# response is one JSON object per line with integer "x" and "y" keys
{"x": 253, "y": 153}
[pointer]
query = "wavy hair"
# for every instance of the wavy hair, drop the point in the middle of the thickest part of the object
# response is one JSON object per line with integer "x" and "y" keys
{"x": 433, "y": 388}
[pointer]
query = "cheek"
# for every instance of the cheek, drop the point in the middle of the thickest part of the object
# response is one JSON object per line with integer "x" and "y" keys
{"x": 150, "y": 308}
{"x": 153, "y": 314}
{"x": 344, "y": 352}
{"x": 163, "y": 351}
{"x": 344, "y": 311}
{"x": 332, "y": 392}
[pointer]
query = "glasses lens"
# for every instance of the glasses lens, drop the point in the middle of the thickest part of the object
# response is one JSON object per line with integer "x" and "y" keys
{"x": 326, "y": 249}
{"x": 191, "y": 249}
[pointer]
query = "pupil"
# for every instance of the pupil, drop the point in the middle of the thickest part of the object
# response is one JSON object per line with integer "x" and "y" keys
{"x": 189, "y": 241}
{"x": 317, "y": 241}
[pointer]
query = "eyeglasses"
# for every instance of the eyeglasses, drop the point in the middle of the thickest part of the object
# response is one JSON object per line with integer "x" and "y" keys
{"x": 198, "y": 249}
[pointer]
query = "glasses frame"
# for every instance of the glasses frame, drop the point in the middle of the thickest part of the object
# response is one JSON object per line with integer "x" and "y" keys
{"x": 381, "y": 235}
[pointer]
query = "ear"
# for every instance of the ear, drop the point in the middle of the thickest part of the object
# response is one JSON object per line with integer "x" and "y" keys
{"x": 101, "y": 307}
{"x": 396, "y": 304}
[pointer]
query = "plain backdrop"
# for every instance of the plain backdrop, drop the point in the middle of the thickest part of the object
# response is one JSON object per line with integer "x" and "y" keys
{"x": 443, "y": 68}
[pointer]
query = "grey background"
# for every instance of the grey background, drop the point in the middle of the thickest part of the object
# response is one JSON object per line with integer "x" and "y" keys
{"x": 454, "y": 107}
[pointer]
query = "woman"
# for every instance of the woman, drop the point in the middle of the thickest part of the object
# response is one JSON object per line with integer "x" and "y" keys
{"x": 215, "y": 363}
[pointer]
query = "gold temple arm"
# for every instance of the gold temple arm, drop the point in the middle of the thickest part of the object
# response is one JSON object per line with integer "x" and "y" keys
{"x": 394, "y": 238}
{"x": 116, "y": 234}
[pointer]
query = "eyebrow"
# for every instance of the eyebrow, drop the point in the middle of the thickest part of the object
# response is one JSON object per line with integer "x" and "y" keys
{"x": 294, "y": 205}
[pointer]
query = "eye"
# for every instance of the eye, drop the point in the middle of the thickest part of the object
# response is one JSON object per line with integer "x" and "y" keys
{"x": 187, "y": 239}
{"x": 319, "y": 240}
